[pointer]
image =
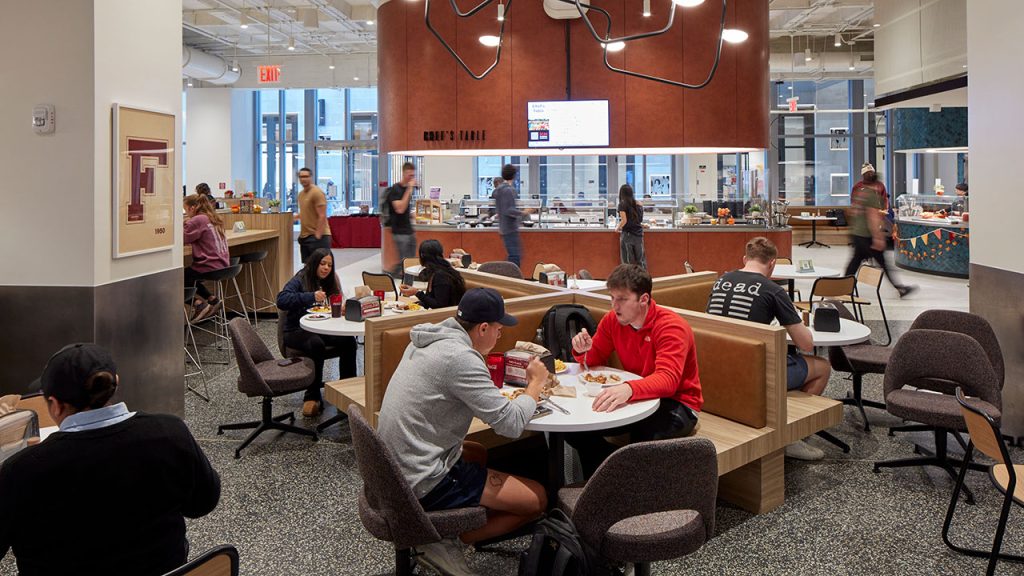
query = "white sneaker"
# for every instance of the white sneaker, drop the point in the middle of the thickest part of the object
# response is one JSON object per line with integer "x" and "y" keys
{"x": 446, "y": 557}
{"x": 803, "y": 451}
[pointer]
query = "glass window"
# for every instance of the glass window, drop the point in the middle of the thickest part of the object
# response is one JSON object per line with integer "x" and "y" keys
{"x": 487, "y": 169}
{"x": 659, "y": 176}
{"x": 268, "y": 170}
{"x": 590, "y": 176}
{"x": 330, "y": 114}
{"x": 295, "y": 114}
{"x": 631, "y": 171}
{"x": 363, "y": 183}
{"x": 363, "y": 99}
{"x": 556, "y": 178}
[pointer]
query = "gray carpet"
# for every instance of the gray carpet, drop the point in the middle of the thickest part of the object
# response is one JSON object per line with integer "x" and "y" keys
{"x": 289, "y": 505}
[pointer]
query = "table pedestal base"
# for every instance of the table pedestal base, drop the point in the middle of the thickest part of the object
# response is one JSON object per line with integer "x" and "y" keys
{"x": 814, "y": 237}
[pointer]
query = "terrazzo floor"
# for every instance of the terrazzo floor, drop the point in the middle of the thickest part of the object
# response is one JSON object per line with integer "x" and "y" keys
{"x": 288, "y": 504}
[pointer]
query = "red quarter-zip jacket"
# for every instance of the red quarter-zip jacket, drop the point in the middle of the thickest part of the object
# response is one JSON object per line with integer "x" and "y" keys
{"x": 662, "y": 351}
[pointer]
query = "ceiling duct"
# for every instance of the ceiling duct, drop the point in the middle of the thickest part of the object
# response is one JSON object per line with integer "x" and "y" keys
{"x": 207, "y": 67}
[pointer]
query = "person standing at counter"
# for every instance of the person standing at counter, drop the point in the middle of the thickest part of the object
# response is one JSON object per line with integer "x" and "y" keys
{"x": 868, "y": 202}
{"x": 398, "y": 198}
{"x": 509, "y": 214}
{"x": 630, "y": 228}
{"x": 313, "y": 233}
{"x": 445, "y": 285}
{"x": 960, "y": 204}
{"x": 316, "y": 282}
{"x": 204, "y": 230}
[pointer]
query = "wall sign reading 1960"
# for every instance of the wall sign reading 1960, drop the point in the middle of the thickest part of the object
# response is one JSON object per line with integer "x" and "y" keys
{"x": 454, "y": 135}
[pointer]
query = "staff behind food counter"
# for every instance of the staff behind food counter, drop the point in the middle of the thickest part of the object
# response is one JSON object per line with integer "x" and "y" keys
{"x": 960, "y": 204}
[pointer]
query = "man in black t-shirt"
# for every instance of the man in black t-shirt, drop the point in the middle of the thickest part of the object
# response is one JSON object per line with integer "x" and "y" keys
{"x": 399, "y": 198}
{"x": 750, "y": 294}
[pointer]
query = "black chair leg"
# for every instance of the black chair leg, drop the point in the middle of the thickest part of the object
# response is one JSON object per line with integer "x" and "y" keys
{"x": 910, "y": 428}
{"x": 940, "y": 459}
{"x": 268, "y": 422}
{"x": 832, "y": 439}
{"x": 403, "y": 562}
{"x": 859, "y": 401}
{"x": 642, "y": 569}
{"x": 340, "y": 416}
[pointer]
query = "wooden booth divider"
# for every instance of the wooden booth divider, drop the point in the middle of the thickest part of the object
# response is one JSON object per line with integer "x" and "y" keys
{"x": 742, "y": 369}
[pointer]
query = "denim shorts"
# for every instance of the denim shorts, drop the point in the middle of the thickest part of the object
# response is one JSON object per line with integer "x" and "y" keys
{"x": 461, "y": 487}
{"x": 796, "y": 371}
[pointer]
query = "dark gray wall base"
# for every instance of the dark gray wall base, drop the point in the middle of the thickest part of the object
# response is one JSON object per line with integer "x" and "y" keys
{"x": 997, "y": 296}
{"x": 140, "y": 320}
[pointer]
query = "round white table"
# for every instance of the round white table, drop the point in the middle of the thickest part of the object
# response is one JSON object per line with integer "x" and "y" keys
{"x": 582, "y": 418}
{"x": 789, "y": 272}
{"x": 814, "y": 228}
{"x": 579, "y": 284}
{"x": 850, "y": 332}
{"x": 340, "y": 326}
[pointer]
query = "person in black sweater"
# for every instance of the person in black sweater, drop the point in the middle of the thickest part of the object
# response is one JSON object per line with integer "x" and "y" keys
{"x": 630, "y": 228}
{"x": 109, "y": 493}
{"x": 445, "y": 285}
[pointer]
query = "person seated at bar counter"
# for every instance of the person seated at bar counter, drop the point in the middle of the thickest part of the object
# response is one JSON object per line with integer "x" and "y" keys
{"x": 316, "y": 282}
{"x": 109, "y": 492}
{"x": 750, "y": 294}
{"x": 652, "y": 342}
{"x": 204, "y": 230}
{"x": 445, "y": 285}
{"x": 441, "y": 383}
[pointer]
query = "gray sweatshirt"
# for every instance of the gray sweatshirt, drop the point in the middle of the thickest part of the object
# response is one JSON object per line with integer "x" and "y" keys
{"x": 439, "y": 386}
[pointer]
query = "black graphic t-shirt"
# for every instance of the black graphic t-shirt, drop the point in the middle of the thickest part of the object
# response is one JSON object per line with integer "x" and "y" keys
{"x": 751, "y": 296}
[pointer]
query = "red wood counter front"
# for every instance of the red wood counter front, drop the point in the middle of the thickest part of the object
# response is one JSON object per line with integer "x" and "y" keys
{"x": 719, "y": 248}
{"x": 355, "y": 231}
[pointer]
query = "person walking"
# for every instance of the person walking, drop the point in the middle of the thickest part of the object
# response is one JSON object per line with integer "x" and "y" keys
{"x": 509, "y": 214}
{"x": 630, "y": 228}
{"x": 398, "y": 197}
{"x": 313, "y": 232}
{"x": 868, "y": 202}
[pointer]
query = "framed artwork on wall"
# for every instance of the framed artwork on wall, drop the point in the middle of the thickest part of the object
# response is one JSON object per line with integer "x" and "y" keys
{"x": 142, "y": 181}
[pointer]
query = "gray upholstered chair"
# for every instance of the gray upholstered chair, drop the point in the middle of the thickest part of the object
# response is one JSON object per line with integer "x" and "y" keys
{"x": 501, "y": 268}
{"x": 934, "y": 363}
{"x": 858, "y": 360}
{"x": 640, "y": 507}
{"x": 388, "y": 507}
{"x": 261, "y": 375}
{"x": 584, "y": 274}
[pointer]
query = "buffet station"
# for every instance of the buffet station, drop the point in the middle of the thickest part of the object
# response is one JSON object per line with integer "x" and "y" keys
{"x": 932, "y": 234}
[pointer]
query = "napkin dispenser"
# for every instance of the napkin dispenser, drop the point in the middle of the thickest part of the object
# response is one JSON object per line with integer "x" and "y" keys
{"x": 552, "y": 278}
{"x": 359, "y": 309}
{"x": 826, "y": 318}
{"x": 516, "y": 362}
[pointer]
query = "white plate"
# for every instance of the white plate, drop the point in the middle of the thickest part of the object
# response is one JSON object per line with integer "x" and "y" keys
{"x": 315, "y": 311}
{"x": 318, "y": 317}
{"x": 607, "y": 374}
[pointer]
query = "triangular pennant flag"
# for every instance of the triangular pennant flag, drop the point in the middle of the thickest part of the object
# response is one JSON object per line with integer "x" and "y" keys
{"x": 924, "y": 238}
{"x": 938, "y": 234}
{"x": 913, "y": 242}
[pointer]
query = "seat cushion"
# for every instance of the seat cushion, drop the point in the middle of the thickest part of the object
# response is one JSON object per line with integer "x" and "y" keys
{"x": 568, "y": 496}
{"x": 654, "y": 537}
{"x": 939, "y": 410}
{"x": 868, "y": 358}
{"x": 286, "y": 379}
{"x": 451, "y": 523}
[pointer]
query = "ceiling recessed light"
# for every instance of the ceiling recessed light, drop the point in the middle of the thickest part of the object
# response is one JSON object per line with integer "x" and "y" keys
{"x": 356, "y": 78}
{"x": 734, "y": 36}
{"x": 877, "y": 25}
{"x": 369, "y": 22}
{"x": 501, "y": 12}
{"x": 489, "y": 40}
{"x": 965, "y": 66}
{"x": 331, "y": 66}
{"x": 614, "y": 46}
{"x": 688, "y": 3}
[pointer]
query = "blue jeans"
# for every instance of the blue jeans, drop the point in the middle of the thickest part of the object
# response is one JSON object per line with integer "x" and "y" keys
{"x": 405, "y": 245}
{"x": 513, "y": 247}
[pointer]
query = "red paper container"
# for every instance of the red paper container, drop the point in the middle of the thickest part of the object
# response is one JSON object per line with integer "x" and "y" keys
{"x": 496, "y": 366}
{"x": 379, "y": 294}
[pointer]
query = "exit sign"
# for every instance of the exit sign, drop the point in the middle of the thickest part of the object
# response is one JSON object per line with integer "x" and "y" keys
{"x": 270, "y": 74}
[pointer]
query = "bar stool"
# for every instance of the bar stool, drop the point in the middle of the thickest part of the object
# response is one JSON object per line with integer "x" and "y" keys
{"x": 219, "y": 277}
{"x": 190, "y": 294}
{"x": 250, "y": 260}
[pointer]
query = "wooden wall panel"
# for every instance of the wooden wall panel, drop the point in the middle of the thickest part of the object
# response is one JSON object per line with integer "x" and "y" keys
{"x": 666, "y": 252}
{"x": 476, "y": 100}
{"x": 598, "y": 252}
{"x": 536, "y": 54}
{"x": 392, "y": 93}
{"x": 717, "y": 251}
{"x": 485, "y": 246}
{"x": 431, "y": 75}
{"x": 590, "y": 79}
{"x": 547, "y": 247}
{"x": 710, "y": 118}
{"x": 654, "y": 111}
{"x": 752, "y": 76}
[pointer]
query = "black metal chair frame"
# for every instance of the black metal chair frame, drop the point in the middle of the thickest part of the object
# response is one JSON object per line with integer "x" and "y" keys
{"x": 190, "y": 293}
{"x": 266, "y": 422}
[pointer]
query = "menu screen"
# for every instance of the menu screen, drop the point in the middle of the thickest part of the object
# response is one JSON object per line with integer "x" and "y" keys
{"x": 567, "y": 124}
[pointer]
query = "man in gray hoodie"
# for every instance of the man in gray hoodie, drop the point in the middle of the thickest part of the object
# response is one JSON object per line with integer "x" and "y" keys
{"x": 440, "y": 385}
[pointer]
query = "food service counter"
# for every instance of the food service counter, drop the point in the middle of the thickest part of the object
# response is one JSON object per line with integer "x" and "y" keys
{"x": 933, "y": 246}
{"x": 718, "y": 248}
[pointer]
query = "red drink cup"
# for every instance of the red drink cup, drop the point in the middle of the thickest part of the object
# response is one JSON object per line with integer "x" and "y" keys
{"x": 336, "y": 306}
{"x": 496, "y": 366}
{"x": 379, "y": 294}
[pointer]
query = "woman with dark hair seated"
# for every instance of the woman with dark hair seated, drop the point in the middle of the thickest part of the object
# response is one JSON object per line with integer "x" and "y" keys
{"x": 445, "y": 285}
{"x": 316, "y": 282}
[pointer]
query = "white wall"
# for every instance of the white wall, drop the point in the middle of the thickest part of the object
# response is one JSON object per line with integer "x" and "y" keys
{"x": 304, "y": 71}
{"x": 45, "y": 192}
{"x": 920, "y": 41}
{"x": 242, "y": 156}
{"x": 994, "y": 123}
{"x": 454, "y": 174}
{"x": 209, "y": 138}
{"x": 136, "y": 62}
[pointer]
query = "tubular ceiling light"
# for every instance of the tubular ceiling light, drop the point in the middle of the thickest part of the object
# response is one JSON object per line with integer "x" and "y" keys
{"x": 504, "y": 9}
{"x": 839, "y": 40}
{"x": 490, "y": 41}
{"x": 330, "y": 66}
{"x": 688, "y": 3}
{"x": 370, "y": 22}
{"x": 876, "y": 25}
{"x": 501, "y": 12}
{"x": 291, "y": 44}
{"x": 614, "y": 46}
{"x": 807, "y": 55}
{"x": 734, "y": 36}
{"x": 243, "y": 20}
{"x": 647, "y": 8}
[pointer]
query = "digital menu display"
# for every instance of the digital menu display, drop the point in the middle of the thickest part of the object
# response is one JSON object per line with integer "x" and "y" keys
{"x": 567, "y": 124}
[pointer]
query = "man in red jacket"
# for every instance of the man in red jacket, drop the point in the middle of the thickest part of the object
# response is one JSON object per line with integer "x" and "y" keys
{"x": 652, "y": 342}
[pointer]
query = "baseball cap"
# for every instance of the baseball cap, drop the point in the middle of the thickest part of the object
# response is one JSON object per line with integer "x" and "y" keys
{"x": 70, "y": 367}
{"x": 484, "y": 305}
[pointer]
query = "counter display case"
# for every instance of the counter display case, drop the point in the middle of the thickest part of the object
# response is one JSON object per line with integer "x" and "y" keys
{"x": 575, "y": 213}
{"x": 483, "y": 213}
{"x": 932, "y": 234}
{"x": 661, "y": 213}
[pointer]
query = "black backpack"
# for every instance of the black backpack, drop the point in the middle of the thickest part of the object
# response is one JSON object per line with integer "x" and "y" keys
{"x": 560, "y": 324}
{"x": 557, "y": 550}
{"x": 384, "y": 207}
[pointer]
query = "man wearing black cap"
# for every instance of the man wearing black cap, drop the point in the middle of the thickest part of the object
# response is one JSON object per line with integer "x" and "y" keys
{"x": 109, "y": 492}
{"x": 440, "y": 385}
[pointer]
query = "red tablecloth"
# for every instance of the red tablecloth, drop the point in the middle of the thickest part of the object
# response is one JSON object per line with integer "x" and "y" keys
{"x": 355, "y": 231}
